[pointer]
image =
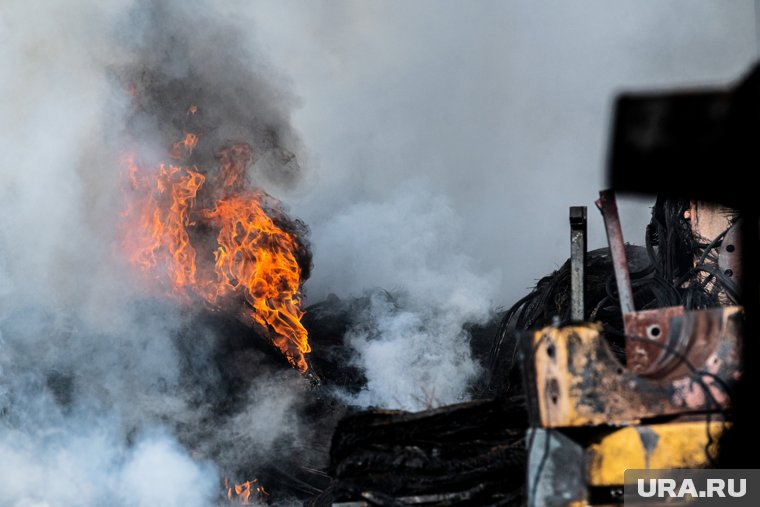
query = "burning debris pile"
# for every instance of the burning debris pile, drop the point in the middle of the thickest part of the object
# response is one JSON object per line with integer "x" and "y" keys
{"x": 200, "y": 122}
{"x": 259, "y": 259}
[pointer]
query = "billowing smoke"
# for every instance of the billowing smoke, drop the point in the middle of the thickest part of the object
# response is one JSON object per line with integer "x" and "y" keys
{"x": 411, "y": 343}
{"x": 458, "y": 136}
{"x": 108, "y": 394}
{"x": 178, "y": 59}
{"x": 432, "y": 147}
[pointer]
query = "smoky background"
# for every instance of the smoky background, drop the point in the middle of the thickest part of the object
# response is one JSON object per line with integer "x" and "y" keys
{"x": 447, "y": 141}
{"x": 437, "y": 148}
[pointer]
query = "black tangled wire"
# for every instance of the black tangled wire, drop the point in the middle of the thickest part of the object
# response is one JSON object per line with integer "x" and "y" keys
{"x": 663, "y": 273}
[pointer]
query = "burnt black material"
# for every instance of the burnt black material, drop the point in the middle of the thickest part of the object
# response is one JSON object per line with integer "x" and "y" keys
{"x": 466, "y": 454}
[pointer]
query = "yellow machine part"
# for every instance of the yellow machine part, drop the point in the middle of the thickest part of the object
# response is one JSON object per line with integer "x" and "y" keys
{"x": 672, "y": 445}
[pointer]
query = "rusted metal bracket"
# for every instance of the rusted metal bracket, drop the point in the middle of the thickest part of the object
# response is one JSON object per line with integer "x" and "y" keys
{"x": 578, "y": 221}
{"x": 574, "y": 379}
{"x": 608, "y": 206}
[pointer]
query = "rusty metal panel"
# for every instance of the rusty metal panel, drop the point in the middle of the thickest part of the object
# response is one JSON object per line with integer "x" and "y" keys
{"x": 729, "y": 259}
{"x": 650, "y": 330}
{"x": 574, "y": 380}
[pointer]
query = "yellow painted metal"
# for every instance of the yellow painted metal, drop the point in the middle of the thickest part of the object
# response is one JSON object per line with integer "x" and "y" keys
{"x": 672, "y": 445}
{"x": 561, "y": 378}
{"x": 556, "y": 407}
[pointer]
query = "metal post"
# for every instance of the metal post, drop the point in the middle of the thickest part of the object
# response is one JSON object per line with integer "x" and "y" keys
{"x": 608, "y": 206}
{"x": 578, "y": 220}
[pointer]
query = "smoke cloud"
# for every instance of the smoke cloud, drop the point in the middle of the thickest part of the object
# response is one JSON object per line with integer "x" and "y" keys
{"x": 412, "y": 346}
{"x": 447, "y": 142}
{"x": 110, "y": 395}
{"x": 433, "y": 148}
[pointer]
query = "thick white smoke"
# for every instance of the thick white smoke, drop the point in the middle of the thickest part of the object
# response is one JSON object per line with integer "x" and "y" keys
{"x": 90, "y": 466}
{"x": 444, "y": 142}
{"x": 413, "y": 349}
{"x": 106, "y": 396}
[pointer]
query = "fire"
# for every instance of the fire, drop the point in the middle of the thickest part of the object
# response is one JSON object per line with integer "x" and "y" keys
{"x": 184, "y": 147}
{"x": 244, "y": 491}
{"x": 252, "y": 258}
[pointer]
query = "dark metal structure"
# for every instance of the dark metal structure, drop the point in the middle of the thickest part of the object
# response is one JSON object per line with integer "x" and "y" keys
{"x": 702, "y": 144}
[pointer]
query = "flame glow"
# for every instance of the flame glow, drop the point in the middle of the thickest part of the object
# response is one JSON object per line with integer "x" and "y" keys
{"x": 242, "y": 492}
{"x": 254, "y": 260}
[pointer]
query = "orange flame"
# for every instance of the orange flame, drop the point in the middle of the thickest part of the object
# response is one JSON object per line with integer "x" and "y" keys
{"x": 244, "y": 491}
{"x": 184, "y": 147}
{"x": 161, "y": 237}
{"x": 255, "y": 259}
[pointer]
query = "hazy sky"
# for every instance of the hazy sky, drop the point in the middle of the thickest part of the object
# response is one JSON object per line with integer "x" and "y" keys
{"x": 501, "y": 109}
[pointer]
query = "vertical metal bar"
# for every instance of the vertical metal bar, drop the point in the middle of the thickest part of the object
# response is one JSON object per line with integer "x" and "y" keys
{"x": 608, "y": 206}
{"x": 578, "y": 220}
